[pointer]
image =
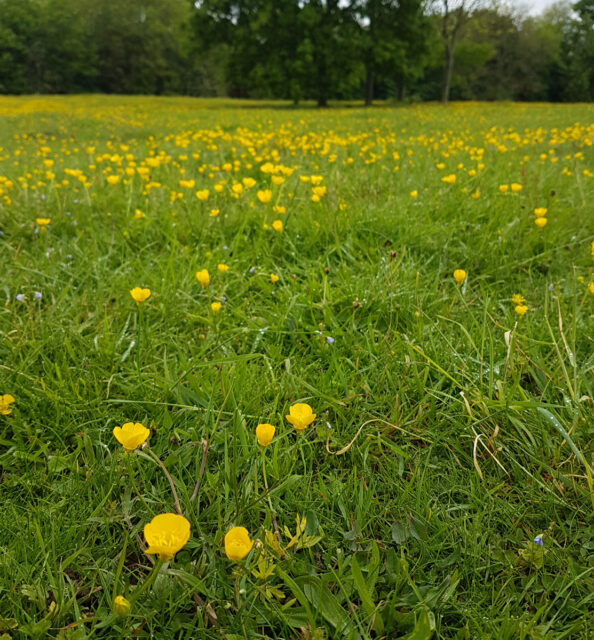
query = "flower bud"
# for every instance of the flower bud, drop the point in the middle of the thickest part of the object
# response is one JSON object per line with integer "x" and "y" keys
{"x": 121, "y": 606}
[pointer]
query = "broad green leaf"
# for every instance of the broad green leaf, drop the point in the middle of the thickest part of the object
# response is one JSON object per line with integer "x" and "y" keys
{"x": 422, "y": 630}
{"x": 400, "y": 532}
{"x": 325, "y": 603}
{"x": 365, "y": 597}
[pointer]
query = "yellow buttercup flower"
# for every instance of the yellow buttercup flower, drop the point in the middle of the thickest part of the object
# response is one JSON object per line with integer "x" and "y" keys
{"x": 518, "y": 298}
{"x": 131, "y": 435}
{"x": 5, "y": 401}
{"x": 516, "y": 187}
{"x": 451, "y": 179}
{"x": 274, "y": 278}
{"x": 540, "y": 222}
{"x": 503, "y": 188}
{"x": 121, "y": 606}
{"x": 140, "y": 295}
{"x": 202, "y": 194}
{"x": 264, "y": 196}
{"x": 203, "y": 277}
{"x": 113, "y": 180}
{"x": 215, "y": 306}
{"x": 476, "y": 194}
{"x": 521, "y": 309}
{"x": 222, "y": 267}
{"x": 138, "y": 214}
{"x": 166, "y": 534}
{"x": 214, "y": 213}
{"x": 278, "y": 226}
{"x": 300, "y": 416}
{"x": 248, "y": 183}
{"x": 42, "y": 222}
{"x": 590, "y": 289}
{"x": 459, "y": 275}
{"x": 540, "y": 212}
{"x": 265, "y": 433}
{"x": 414, "y": 194}
{"x": 237, "y": 543}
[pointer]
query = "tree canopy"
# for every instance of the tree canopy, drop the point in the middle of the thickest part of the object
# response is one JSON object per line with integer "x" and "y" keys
{"x": 299, "y": 49}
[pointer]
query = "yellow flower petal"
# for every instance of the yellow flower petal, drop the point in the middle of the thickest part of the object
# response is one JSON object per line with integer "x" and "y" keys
{"x": 166, "y": 534}
{"x": 238, "y": 543}
{"x": 265, "y": 433}
{"x": 131, "y": 435}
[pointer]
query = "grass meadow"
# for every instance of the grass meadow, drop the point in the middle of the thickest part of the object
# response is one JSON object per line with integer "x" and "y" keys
{"x": 445, "y": 487}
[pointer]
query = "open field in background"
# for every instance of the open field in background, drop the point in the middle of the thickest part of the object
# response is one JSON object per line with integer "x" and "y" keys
{"x": 451, "y": 430}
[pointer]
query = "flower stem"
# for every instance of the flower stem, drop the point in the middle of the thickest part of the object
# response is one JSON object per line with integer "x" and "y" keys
{"x": 138, "y": 342}
{"x": 128, "y": 463}
{"x": 148, "y": 582}
{"x": 156, "y": 458}
{"x": 272, "y": 514}
{"x": 266, "y": 479}
{"x": 236, "y": 588}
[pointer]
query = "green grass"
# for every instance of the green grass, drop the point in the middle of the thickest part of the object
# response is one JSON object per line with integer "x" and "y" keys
{"x": 449, "y": 433}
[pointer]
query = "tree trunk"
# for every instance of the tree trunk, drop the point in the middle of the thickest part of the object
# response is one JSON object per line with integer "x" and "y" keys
{"x": 449, "y": 68}
{"x": 368, "y": 85}
{"x": 322, "y": 82}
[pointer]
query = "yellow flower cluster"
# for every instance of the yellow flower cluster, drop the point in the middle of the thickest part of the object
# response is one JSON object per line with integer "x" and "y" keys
{"x": 168, "y": 533}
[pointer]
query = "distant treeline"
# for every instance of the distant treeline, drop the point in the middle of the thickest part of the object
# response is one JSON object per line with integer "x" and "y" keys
{"x": 299, "y": 49}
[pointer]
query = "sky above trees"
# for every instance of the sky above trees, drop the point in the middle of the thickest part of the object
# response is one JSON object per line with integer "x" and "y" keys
{"x": 539, "y": 5}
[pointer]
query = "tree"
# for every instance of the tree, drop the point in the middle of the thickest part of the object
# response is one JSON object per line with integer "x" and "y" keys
{"x": 141, "y": 44}
{"x": 17, "y": 35}
{"x": 331, "y": 38}
{"x": 577, "y": 59}
{"x": 263, "y": 40}
{"x": 455, "y": 15}
{"x": 393, "y": 41}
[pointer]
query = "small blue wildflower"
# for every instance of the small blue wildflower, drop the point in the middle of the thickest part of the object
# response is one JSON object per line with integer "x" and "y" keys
{"x": 330, "y": 340}
{"x": 252, "y": 269}
{"x": 538, "y": 541}
{"x": 20, "y": 297}
{"x": 551, "y": 287}
{"x": 38, "y": 295}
